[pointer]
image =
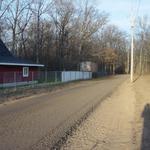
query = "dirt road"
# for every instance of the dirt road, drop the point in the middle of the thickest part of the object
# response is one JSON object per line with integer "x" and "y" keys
{"x": 38, "y": 122}
{"x": 121, "y": 122}
{"x": 110, "y": 126}
{"x": 142, "y": 111}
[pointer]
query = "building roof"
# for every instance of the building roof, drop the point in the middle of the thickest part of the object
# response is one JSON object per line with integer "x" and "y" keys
{"x": 6, "y": 58}
{"x": 4, "y": 50}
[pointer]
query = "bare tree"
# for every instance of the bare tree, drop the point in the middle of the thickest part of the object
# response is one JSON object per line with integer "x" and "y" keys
{"x": 62, "y": 15}
{"x": 112, "y": 42}
{"x": 39, "y": 8}
{"x": 4, "y": 6}
{"x": 14, "y": 17}
{"x": 22, "y": 26}
{"x": 89, "y": 22}
{"x": 142, "y": 62}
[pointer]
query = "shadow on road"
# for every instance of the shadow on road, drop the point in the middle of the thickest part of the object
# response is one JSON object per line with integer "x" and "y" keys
{"x": 136, "y": 78}
{"x": 145, "y": 144}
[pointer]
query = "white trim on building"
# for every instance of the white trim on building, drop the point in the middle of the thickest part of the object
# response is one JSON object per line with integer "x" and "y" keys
{"x": 21, "y": 64}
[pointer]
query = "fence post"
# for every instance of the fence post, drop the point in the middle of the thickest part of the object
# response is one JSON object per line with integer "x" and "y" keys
{"x": 15, "y": 82}
{"x": 55, "y": 76}
{"x": 46, "y": 76}
{"x": 70, "y": 75}
{"x": 61, "y": 76}
{"x": 3, "y": 76}
{"x": 32, "y": 78}
{"x": 82, "y": 75}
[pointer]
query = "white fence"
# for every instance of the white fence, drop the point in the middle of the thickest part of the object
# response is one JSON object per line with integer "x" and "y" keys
{"x": 67, "y": 76}
{"x": 14, "y": 79}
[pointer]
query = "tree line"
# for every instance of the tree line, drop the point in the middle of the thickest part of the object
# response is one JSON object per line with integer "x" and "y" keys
{"x": 142, "y": 45}
{"x": 62, "y": 33}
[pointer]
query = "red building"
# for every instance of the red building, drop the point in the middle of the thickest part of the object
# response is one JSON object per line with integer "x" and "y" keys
{"x": 14, "y": 70}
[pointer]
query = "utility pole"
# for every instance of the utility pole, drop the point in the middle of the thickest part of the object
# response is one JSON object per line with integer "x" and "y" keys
{"x": 141, "y": 54}
{"x": 142, "y": 46}
{"x": 132, "y": 48}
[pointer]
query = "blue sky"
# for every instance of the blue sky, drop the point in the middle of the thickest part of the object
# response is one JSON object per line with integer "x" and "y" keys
{"x": 120, "y": 10}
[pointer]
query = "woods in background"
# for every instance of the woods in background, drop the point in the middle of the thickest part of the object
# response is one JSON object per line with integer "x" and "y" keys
{"x": 62, "y": 33}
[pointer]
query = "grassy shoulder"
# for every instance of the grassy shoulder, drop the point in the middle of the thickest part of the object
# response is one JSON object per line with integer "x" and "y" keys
{"x": 16, "y": 93}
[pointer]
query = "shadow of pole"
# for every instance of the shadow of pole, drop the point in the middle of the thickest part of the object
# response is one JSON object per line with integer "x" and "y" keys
{"x": 136, "y": 78}
{"x": 145, "y": 144}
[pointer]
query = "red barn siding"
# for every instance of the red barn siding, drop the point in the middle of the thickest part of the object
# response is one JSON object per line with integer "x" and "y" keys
{"x": 9, "y": 74}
